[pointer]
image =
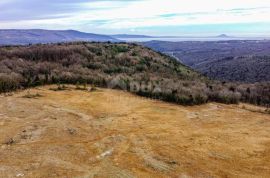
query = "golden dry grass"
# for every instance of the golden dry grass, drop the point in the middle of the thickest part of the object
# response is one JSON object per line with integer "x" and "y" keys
{"x": 109, "y": 133}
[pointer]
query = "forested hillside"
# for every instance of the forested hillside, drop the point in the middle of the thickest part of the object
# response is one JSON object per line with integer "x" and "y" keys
{"x": 242, "y": 61}
{"x": 244, "y": 68}
{"x": 123, "y": 66}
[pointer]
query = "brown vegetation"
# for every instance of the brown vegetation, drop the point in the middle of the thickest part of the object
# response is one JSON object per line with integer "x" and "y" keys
{"x": 130, "y": 66}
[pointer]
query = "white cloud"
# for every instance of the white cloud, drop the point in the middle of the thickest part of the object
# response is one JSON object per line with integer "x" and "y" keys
{"x": 148, "y": 13}
{"x": 119, "y": 14}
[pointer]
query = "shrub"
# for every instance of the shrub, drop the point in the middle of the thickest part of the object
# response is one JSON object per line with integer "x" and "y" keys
{"x": 10, "y": 82}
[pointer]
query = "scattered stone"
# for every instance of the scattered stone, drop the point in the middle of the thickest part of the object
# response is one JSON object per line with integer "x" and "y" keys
{"x": 54, "y": 118}
{"x": 9, "y": 141}
{"x": 72, "y": 131}
{"x": 172, "y": 162}
{"x": 32, "y": 96}
{"x": 91, "y": 89}
{"x": 106, "y": 153}
{"x": 20, "y": 175}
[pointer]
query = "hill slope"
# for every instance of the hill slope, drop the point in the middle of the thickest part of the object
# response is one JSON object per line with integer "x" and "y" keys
{"x": 125, "y": 66}
{"x": 109, "y": 133}
{"x": 211, "y": 58}
{"x": 22, "y": 37}
{"x": 245, "y": 68}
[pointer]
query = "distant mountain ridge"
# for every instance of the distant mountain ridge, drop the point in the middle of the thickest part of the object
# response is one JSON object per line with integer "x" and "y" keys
{"x": 223, "y": 36}
{"x": 34, "y": 36}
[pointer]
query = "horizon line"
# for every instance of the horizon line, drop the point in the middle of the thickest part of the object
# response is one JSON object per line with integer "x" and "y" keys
{"x": 195, "y": 35}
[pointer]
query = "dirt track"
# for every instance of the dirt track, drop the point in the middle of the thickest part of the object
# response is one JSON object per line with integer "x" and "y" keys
{"x": 109, "y": 133}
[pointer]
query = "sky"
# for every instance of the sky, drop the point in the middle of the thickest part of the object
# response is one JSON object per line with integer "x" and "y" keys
{"x": 148, "y": 17}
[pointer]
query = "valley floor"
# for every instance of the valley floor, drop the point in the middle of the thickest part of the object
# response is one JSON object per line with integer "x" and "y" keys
{"x": 110, "y": 133}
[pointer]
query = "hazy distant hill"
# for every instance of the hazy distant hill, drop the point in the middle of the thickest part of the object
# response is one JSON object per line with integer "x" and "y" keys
{"x": 21, "y": 37}
{"x": 223, "y": 36}
{"x": 130, "y": 36}
{"x": 244, "y": 61}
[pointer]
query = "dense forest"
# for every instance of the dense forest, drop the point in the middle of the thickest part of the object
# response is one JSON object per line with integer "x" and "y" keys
{"x": 243, "y": 68}
{"x": 123, "y": 66}
{"x": 236, "y": 60}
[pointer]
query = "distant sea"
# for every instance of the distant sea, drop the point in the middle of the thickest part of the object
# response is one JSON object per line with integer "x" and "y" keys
{"x": 177, "y": 39}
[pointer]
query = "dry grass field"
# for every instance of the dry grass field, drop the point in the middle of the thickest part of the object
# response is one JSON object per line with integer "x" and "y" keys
{"x": 110, "y": 133}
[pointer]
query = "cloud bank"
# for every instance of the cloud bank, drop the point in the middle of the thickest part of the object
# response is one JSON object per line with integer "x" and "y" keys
{"x": 139, "y": 16}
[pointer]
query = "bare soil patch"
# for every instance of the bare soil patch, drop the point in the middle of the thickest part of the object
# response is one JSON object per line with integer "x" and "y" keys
{"x": 110, "y": 133}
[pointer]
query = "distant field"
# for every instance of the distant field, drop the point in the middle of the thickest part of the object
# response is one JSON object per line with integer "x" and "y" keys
{"x": 47, "y": 132}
